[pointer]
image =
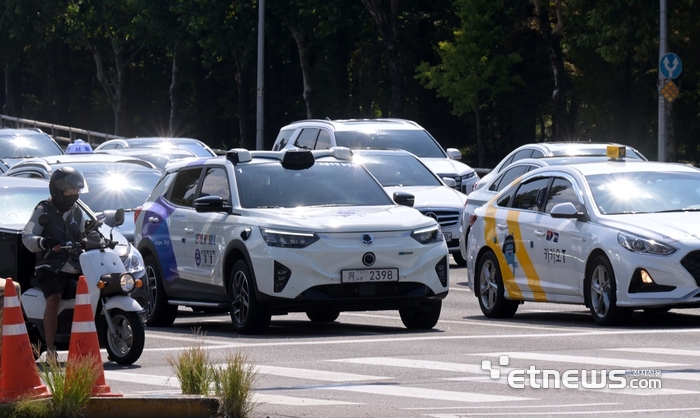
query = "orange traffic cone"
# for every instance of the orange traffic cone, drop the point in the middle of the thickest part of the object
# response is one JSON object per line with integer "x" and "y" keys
{"x": 20, "y": 376}
{"x": 83, "y": 337}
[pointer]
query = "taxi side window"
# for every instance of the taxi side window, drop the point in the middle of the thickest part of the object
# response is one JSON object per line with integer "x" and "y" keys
{"x": 561, "y": 192}
{"x": 184, "y": 187}
{"x": 215, "y": 183}
{"x": 529, "y": 194}
{"x": 282, "y": 139}
{"x": 507, "y": 178}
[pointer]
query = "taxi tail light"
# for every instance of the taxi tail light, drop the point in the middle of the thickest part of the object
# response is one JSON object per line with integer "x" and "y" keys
{"x": 441, "y": 269}
{"x": 281, "y": 276}
{"x": 642, "y": 282}
{"x": 137, "y": 211}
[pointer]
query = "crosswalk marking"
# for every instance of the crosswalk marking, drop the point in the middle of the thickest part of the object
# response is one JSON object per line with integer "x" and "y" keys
{"x": 416, "y": 364}
{"x": 316, "y": 374}
{"x": 295, "y": 401}
{"x": 598, "y": 361}
{"x": 425, "y": 393}
{"x": 655, "y": 350}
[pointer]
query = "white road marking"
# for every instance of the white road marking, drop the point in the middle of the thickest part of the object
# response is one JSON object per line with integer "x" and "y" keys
{"x": 658, "y": 350}
{"x": 166, "y": 382}
{"x": 597, "y": 361}
{"x": 316, "y": 374}
{"x": 294, "y": 401}
{"x": 425, "y": 393}
{"x": 645, "y": 412}
{"x": 433, "y": 408}
{"x": 416, "y": 364}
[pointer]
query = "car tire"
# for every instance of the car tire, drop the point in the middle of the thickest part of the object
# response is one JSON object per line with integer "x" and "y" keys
{"x": 423, "y": 317}
{"x": 247, "y": 314}
{"x": 322, "y": 316}
{"x": 601, "y": 294}
{"x": 459, "y": 259}
{"x": 159, "y": 313}
{"x": 491, "y": 290}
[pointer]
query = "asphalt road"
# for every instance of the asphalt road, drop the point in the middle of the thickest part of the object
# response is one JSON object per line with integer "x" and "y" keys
{"x": 368, "y": 365}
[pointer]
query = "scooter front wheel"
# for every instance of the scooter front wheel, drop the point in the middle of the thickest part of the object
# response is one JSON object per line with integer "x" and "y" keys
{"x": 127, "y": 345}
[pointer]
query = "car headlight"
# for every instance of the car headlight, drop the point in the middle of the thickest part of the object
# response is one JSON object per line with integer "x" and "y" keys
{"x": 468, "y": 176}
{"x": 642, "y": 245}
{"x": 133, "y": 262}
{"x": 427, "y": 235}
{"x": 288, "y": 239}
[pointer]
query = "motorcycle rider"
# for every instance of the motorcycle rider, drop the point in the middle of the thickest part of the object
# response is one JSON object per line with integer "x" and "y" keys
{"x": 56, "y": 266}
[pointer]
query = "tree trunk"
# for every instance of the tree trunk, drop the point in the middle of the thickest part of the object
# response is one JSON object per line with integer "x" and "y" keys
{"x": 173, "y": 90}
{"x": 387, "y": 29}
{"x": 562, "y": 125}
{"x": 309, "y": 90}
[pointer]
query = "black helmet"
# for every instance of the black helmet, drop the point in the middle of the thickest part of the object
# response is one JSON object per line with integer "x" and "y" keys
{"x": 65, "y": 178}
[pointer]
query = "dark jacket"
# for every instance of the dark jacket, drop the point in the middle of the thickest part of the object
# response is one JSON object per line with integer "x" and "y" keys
{"x": 64, "y": 227}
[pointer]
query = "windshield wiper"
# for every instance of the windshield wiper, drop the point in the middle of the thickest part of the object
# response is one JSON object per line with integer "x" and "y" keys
{"x": 329, "y": 205}
{"x": 679, "y": 210}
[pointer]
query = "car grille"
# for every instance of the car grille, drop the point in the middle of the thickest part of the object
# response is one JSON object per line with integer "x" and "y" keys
{"x": 444, "y": 217}
{"x": 691, "y": 262}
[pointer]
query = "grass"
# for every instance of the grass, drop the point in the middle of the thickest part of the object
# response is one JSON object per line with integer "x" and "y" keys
{"x": 232, "y": 382}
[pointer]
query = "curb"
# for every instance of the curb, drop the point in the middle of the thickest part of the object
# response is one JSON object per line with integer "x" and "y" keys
{"x": 158, "y": 406}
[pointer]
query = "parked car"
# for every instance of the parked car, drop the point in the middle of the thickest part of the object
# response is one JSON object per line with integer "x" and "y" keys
{"x": 195, "y": 146}
{"x": 556, "y": 149}
{"x": 18, "y": 198}
{"x": 494, "y": 184}
{"x": 613, "y": 236}
{"x": 157, "y": 156}
{"x": 379, "y": 133}
{"x": 399, "y": 170}
{"x": 18, "y": 144}
{"x": 266, "y": 233}
{"x": 112, "y": 181}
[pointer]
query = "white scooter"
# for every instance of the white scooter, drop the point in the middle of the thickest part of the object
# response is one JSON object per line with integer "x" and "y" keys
{"x": 119, "y": 319}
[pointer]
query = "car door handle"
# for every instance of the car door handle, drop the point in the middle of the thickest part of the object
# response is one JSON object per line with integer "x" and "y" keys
{"x": 502, "y": 226}
{"x": 189, "y": 230}
{"x": 153, "y": 219}
{"x": 539, "y": 233}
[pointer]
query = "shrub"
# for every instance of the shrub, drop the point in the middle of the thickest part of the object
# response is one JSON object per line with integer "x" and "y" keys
{"x": 233, "y": 386}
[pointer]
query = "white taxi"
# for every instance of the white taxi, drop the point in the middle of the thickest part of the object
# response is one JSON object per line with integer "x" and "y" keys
{"x": 616, "y": 236}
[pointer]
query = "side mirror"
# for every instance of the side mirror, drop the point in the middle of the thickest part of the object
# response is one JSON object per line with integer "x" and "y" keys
{"x": 112, "y": 217}
{"x": 211, "y": 204}
{"x": 404, "y": 199}
{"x": 449, "y": 182}
{"x": 454, "y": 153}
{"x": 44, "y": 220}
{"x": 565, "y": 210}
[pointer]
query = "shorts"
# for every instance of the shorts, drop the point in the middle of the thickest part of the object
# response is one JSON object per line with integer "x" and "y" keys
{"x": 54, "y": 283}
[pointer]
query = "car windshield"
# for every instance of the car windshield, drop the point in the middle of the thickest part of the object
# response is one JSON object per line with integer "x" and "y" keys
{"x": 398, "y": 170}
{"x": 415, "y": 141}
{"x": 28, "y": 145}
{"x": 635, "y": 192}
{"x": 117, "y": 189}
{"x": 326, "y": 183}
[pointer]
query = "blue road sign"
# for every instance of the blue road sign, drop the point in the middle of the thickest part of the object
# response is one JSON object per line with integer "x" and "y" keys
{"x": 670, "y": 66}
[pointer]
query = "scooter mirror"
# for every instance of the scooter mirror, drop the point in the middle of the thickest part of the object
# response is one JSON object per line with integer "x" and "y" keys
{"x": 112, "y": 217}
{"x": 119, "y": 217}
{"x": 44, "y": 220}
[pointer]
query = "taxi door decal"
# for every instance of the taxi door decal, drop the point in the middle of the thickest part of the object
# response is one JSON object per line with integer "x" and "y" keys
{"x": 491, "y": 239}
{"x": 533, "y": 279}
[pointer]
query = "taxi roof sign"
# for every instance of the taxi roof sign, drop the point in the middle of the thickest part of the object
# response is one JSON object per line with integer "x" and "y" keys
{"x": 79, "y": 147}
{"x": 616, "y": 152}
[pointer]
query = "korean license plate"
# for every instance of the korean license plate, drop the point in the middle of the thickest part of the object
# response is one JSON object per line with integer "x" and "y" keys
{"x": 369, "y": 275}
{"x": 448, "y": 236}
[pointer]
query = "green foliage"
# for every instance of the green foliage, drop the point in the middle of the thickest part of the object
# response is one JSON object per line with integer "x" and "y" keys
{"x": 233, "y": 385}
{"x": 71, "y": 386}
{"x": 192, "y": 368}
